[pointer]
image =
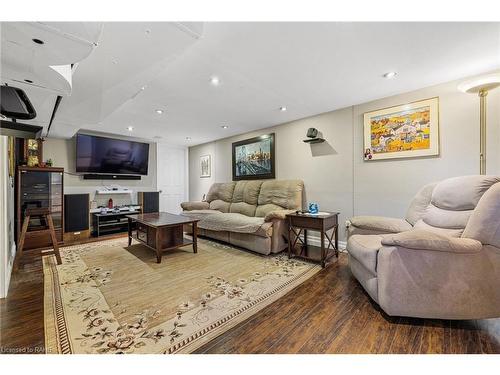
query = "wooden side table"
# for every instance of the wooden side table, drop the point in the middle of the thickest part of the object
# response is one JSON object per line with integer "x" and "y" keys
{"x": 300, "y": 223}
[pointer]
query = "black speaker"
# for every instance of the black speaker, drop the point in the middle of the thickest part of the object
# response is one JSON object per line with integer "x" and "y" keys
{"x": 149, "y": 200}
{"x": 76, "y": 212}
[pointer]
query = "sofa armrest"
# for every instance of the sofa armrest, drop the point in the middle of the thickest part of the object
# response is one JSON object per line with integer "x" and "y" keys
{"x": 419, "y": 239}
{"x": 190, "y": 206}
{"x": 278, "y": 215}
{"x": 380, "y": 224}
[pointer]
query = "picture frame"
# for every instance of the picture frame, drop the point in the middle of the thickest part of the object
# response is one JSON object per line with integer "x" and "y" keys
{"x": 205, "y": 166}
{"x": 404, "y": 131}
{"x": 253, "y": 158}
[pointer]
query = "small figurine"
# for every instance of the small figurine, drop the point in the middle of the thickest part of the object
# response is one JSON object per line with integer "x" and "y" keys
{"x": 48, "y": 163}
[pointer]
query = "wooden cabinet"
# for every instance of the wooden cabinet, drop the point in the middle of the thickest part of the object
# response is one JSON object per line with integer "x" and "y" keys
{"x": 36, "y": 188}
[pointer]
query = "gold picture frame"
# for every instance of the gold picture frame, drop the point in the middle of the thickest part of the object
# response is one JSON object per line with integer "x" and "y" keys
{"x": 11, "y": 151}
{"x": 404, "y": 131}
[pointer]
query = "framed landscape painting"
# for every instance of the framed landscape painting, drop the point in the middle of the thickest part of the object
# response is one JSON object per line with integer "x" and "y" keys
{"x": 404, "y": 131}
{"x": 254, "y": 158}
{"x": 205, "y": 166}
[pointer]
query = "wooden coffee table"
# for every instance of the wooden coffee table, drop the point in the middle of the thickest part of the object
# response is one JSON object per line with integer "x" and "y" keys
{"x": 161, "y": 231}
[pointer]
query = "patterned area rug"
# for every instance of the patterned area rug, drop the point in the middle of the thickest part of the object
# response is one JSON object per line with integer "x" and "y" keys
{"x": 110, "y": 298}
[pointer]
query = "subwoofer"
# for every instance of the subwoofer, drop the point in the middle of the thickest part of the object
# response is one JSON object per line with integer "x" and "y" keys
{"x": 149, "y": 200}
{"x": 76, "y": 217}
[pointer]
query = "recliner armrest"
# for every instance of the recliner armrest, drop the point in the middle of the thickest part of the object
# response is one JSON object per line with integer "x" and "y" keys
{"x": 380, "y": 223}
{"x": 419, "y": 239}
{"x": 189, "y": 206}
{"x": 278, "y": 215}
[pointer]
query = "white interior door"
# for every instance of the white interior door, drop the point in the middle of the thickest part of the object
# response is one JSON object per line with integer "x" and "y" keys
{"x": 171, "y": 177}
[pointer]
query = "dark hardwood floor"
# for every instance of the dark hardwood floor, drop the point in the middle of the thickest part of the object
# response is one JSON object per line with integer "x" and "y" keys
{"x": 329, "y": 313}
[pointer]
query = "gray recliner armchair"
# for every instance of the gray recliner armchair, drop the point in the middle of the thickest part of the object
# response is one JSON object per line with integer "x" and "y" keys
{"x": 442, "y": 260}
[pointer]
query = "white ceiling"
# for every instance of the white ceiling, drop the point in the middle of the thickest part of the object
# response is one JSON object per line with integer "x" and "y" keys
{"x": 308, "y": 67}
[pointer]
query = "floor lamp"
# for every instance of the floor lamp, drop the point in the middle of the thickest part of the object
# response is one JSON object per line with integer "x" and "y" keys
{"x": 481, "y": 86}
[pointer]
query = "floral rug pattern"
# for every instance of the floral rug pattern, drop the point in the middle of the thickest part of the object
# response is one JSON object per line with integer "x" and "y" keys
{"x": 78, "y": 318}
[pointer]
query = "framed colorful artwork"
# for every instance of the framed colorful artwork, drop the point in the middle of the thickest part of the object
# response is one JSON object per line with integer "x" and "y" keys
{"x": 404, "y": 131}
{"x": 254, "y": 158}
{"x": 205, "y": 166}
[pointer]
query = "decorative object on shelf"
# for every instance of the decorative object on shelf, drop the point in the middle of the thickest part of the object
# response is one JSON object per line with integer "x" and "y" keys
{"x": 254, "y": 158}
{"x": 110, "y": 203}
{"x": 205, "y": 166}
{"x": 481, "y": 86}
{"x": 33, "y": 152}
{"x": 313, "y": 208}
{"x": 403, "y": 131}
{"x": 49, "y": 162}
{"x": 314, "y": 136}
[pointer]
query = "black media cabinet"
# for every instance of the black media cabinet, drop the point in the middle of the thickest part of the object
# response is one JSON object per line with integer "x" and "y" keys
{"x": 111, "y": 222}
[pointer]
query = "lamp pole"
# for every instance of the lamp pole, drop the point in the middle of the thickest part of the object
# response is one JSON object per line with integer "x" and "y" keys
{"x": 482, "y": 131}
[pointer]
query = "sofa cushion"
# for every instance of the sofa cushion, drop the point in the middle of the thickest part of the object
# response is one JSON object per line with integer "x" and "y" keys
{"x": 247, "y": 191}
{"x": 484, "y": 223}
{"x": 221, "y": 191}
{"x": 364, "y": 248}
{"x": 419, "y": 203}
{"x": 279, "y": 194}
{"x": 234, "y": 222}
{"x": 220, "y": 205}
{"x": 461, "y": 193}
{"x": 199, "y": 214}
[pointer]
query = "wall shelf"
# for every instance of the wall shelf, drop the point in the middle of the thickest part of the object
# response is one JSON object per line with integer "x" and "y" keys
{"x": 119, "y": 191}
{"x": 314, "y": 140}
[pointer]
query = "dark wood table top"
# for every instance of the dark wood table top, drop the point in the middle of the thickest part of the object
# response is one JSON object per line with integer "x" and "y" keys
{"x": 161, "y": 219}
{"x": 321, "y": 215}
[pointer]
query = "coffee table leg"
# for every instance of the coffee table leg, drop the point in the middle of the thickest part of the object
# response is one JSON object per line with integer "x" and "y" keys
{"x": 195, "y": 237}
{"x": 158, "y": 245}
{"x": 129, "y": 231}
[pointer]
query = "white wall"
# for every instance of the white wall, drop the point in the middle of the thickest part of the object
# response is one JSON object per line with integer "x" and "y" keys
{"x": 335, "y": 174}
{"x": 7, "y": 246}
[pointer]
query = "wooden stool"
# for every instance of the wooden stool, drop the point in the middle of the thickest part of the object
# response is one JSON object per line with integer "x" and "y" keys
{"x": 45, "y": 212}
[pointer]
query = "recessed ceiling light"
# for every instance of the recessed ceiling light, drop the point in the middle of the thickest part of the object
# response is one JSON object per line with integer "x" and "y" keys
{"x": 28, "y": 80}
{"x": 159, "y": 111}
{"x": 38, "y": 41}
{"x": 115, "y": 62}
{"x": 147, "y": 31}
{"x": 214, "y": 80}
{"x": 130, "y": 128}
{"x": 390, "y": 75}
{"x": 188, "y": 138}
{"x": 224, "y": 126}
{"x": 283, "y": 109}
{"x": 143, "y": 88}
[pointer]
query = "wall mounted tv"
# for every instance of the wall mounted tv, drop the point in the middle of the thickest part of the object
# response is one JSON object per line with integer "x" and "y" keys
{"x": 101, "y": 155}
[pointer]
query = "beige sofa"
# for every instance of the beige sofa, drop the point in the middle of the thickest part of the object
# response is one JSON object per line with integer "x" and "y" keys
{"x": 442, "y": 260}
{"x": 249, "y": 214}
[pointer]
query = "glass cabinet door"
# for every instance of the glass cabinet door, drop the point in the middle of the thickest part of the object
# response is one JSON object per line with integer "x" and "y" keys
{"x": 56, "y": 199}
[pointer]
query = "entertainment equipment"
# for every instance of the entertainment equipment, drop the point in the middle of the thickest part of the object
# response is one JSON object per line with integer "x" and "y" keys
{"x": 149, "y": 200}
{"x": 39, "y": 188}
{"x": 110, "y": 177}
{"x": 111, "y": 157}
{"x": 14, "y": 104}
{"x": 76, "y": 217}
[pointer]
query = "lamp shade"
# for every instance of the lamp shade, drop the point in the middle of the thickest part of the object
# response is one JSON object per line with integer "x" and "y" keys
{"x": 484, "y": 83}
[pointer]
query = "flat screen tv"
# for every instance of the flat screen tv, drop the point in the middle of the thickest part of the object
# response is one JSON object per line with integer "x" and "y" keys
{"x": 103, "y": 155}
